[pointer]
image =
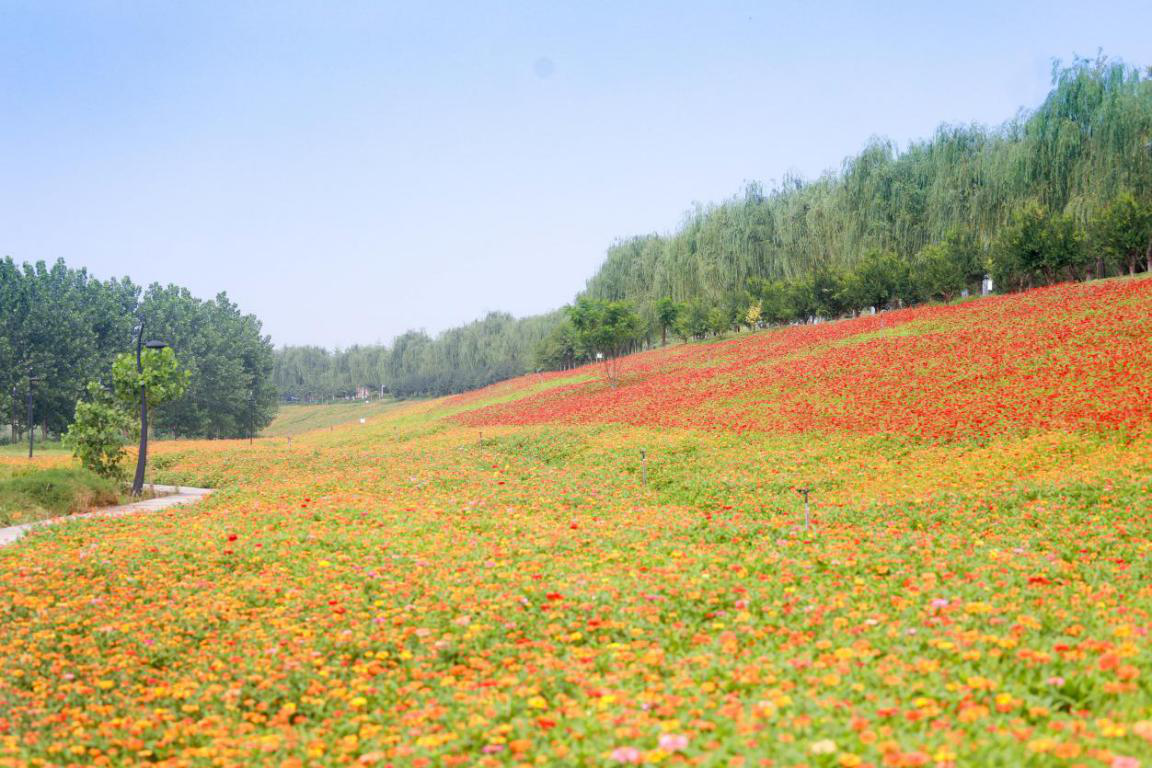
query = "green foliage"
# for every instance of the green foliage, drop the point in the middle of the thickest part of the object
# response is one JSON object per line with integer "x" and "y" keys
{"x": 719, "y": 321}
{"x": 560, "y": 349}
{"x": 416, "y": 364}
{"x": 880, "y": 279}
{"x": 892, "y": 227}
{"x": 941, "y": 271}
{"x": 1122, "y": 234}
{"x": 231, "y": 390}
{"x": 41, "y": 494}
{"x": 605, "y": 330}
{"x": 1083, "y": 147}
{"x": 667, "y": 311}
{"x": 1037, "y": 247}
{"x": 159, "y": 374}
{"x": 692, "y": 320}
{"x": 101, "y": 430}
{"x": 65, "y": 328}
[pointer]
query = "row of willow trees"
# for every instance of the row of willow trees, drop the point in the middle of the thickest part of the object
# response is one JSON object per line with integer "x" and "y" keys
{"x": 61, "y": 328}
{"x": 1041, "y": 198}
{"x": 1035, "y": 247}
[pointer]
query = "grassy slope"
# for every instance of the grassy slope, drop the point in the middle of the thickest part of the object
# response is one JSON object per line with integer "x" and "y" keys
{"x": 295, "y": 419}
{"x": 972, "y": 591}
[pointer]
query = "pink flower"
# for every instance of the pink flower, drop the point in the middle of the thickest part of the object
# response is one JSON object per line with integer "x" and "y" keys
{"x": 491, "y": 749}
{"x": 673, "y": 742}
{"x": 1058, "y": 681}
{"x": 1120, "y": 761}
{"x": 939, "y": 603}
{"x": 631, "y": 755}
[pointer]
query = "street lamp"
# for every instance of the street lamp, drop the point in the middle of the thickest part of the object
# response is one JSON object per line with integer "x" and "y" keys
{"x": 31, "y": 426}
{"x": 142, "y": 456}
{"x": 15, "y": 411}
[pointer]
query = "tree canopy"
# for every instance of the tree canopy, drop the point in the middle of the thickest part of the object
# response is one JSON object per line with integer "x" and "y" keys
{"x": 1060, "y": 192}
{"x": 63, "y": 327}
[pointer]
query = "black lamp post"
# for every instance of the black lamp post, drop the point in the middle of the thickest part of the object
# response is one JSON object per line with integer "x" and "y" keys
{"x": 31, "y": 426}
{"x": 142, "y": 456}
{"x": 15, "y": 411}
{"x": 251, "y": 415}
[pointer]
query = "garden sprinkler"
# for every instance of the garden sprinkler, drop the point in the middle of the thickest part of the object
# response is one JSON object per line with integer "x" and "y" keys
{"x": 804, "y": 492}
{"x": 644, "y": 466}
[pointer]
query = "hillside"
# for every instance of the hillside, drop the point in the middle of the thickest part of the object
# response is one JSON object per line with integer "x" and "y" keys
{"x": 1070, "y": 356}
{"x": 294, "y": 419}
{"x": 892, "y": 225}
{"x": 504, "y": 578}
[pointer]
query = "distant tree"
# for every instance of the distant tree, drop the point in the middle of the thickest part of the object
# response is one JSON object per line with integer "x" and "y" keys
{"x": 819, "y": 295}
{"x": 230, "y": 364}
{"x": 1066, "y": 254}
{"x": 560, "y": 349}
{"x": 880, "y": 279}
{"x": 935, "y": 275}
{"x": 752, "y": 315}
{"x": 775, "y": 300}
{"x": 692, "y": 320}
{"x": 1122, "y": 234}
{"x": 1037, "y": 247}
{"x": 719, "y": 321}
{"x": 606, "y": 330}
{"x": 666, "y": 313}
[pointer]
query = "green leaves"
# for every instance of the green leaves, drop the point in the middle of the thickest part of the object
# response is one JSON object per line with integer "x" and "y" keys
{"x": 100, "y": 432}
{"x": 1037, "y": 246}
{"x": 1123, "y": 232}
{"x": 160, "y": 373}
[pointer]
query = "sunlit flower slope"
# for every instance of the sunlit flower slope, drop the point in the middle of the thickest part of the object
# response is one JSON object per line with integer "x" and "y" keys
{"x": 500, "y": 579}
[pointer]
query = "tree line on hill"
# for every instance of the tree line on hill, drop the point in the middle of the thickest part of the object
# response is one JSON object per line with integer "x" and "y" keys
{"x": 64, "y": 328}
{"x": 1034, "y": 248}
{"x": 485, "y": 351}
{"x": 1063, "y": 192}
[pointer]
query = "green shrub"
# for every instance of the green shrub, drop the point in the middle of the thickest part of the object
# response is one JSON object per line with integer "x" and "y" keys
{"x": 53, "y": 493}
{"x": 98, "y": 435}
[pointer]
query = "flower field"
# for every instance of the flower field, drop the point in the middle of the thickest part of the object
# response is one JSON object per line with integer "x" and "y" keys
{"x": 500, "y": 579}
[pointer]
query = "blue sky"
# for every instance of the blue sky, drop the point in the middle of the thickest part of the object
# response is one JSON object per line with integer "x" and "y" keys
{"x": 349, "y": 170}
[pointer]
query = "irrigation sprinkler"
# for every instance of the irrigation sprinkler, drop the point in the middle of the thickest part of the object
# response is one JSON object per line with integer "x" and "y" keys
{"x": 804, "y": 492}
{"x": 644, "y": 466}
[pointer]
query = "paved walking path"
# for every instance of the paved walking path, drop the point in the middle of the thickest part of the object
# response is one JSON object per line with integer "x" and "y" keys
{"x": 177, "y": 496}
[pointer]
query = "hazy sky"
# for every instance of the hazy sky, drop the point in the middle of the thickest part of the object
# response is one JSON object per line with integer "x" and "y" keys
{"x": 347, "y": 170}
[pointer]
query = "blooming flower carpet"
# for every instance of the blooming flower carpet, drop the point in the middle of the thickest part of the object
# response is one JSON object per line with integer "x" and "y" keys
{"x": 501, "y": 579}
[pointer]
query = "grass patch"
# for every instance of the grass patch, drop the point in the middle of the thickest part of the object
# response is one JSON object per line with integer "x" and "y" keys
{"x": 295, "y": 419}
{"x": 28, "y": 496}
{"x": 52, "y": 447}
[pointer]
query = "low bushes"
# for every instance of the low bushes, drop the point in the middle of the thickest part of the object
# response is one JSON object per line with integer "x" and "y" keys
{"x": 26, "y": 496}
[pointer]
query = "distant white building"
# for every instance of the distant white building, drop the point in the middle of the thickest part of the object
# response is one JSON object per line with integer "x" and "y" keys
{"x": 986, "y": 286}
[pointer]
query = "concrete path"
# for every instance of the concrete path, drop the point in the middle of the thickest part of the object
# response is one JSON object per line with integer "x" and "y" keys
{"x": 177, "y": 496}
